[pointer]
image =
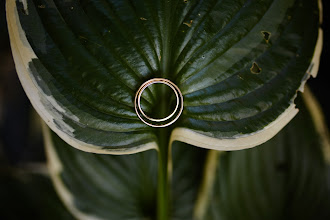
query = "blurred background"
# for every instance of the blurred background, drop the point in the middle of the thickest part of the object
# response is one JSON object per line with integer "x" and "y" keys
{"x": 20, "y": 139}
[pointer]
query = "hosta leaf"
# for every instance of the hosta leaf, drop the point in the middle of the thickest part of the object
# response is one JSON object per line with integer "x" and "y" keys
{"x": 285, "y": 178}
{"x": 238, "y": 64}
{"x": 94, "y": 186}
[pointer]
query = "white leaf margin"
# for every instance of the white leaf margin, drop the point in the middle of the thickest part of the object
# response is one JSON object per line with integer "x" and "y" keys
{"x": 246, "y": 141}
{"x": 23, "y": 55}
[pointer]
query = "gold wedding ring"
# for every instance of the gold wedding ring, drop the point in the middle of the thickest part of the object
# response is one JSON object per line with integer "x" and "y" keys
{"x": 162, "y": 122}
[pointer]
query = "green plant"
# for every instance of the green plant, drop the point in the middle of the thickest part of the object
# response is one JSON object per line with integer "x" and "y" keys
{"x": 239, "y": 65}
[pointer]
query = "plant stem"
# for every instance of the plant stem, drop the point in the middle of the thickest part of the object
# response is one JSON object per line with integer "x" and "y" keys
{"x": 163, "y": 160}
{"x": 163, "y": 185}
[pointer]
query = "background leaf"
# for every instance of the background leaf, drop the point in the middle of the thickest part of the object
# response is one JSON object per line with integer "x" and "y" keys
{"x": 187, "y": 175}
{"x": 285, "y": 178}
{"x": 123, "y": 187}
{"x": 102, "y": 186}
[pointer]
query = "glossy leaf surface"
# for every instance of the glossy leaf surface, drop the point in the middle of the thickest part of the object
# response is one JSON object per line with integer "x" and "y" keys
{"x": 238, "y": 64}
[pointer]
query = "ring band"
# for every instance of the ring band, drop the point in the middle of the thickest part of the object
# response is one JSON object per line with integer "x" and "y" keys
{"x": 170, "y": 119}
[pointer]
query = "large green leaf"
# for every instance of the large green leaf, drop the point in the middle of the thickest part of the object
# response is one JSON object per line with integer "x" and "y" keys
{"x": 238, "y": 64}
{"x": 285, "y": 178}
